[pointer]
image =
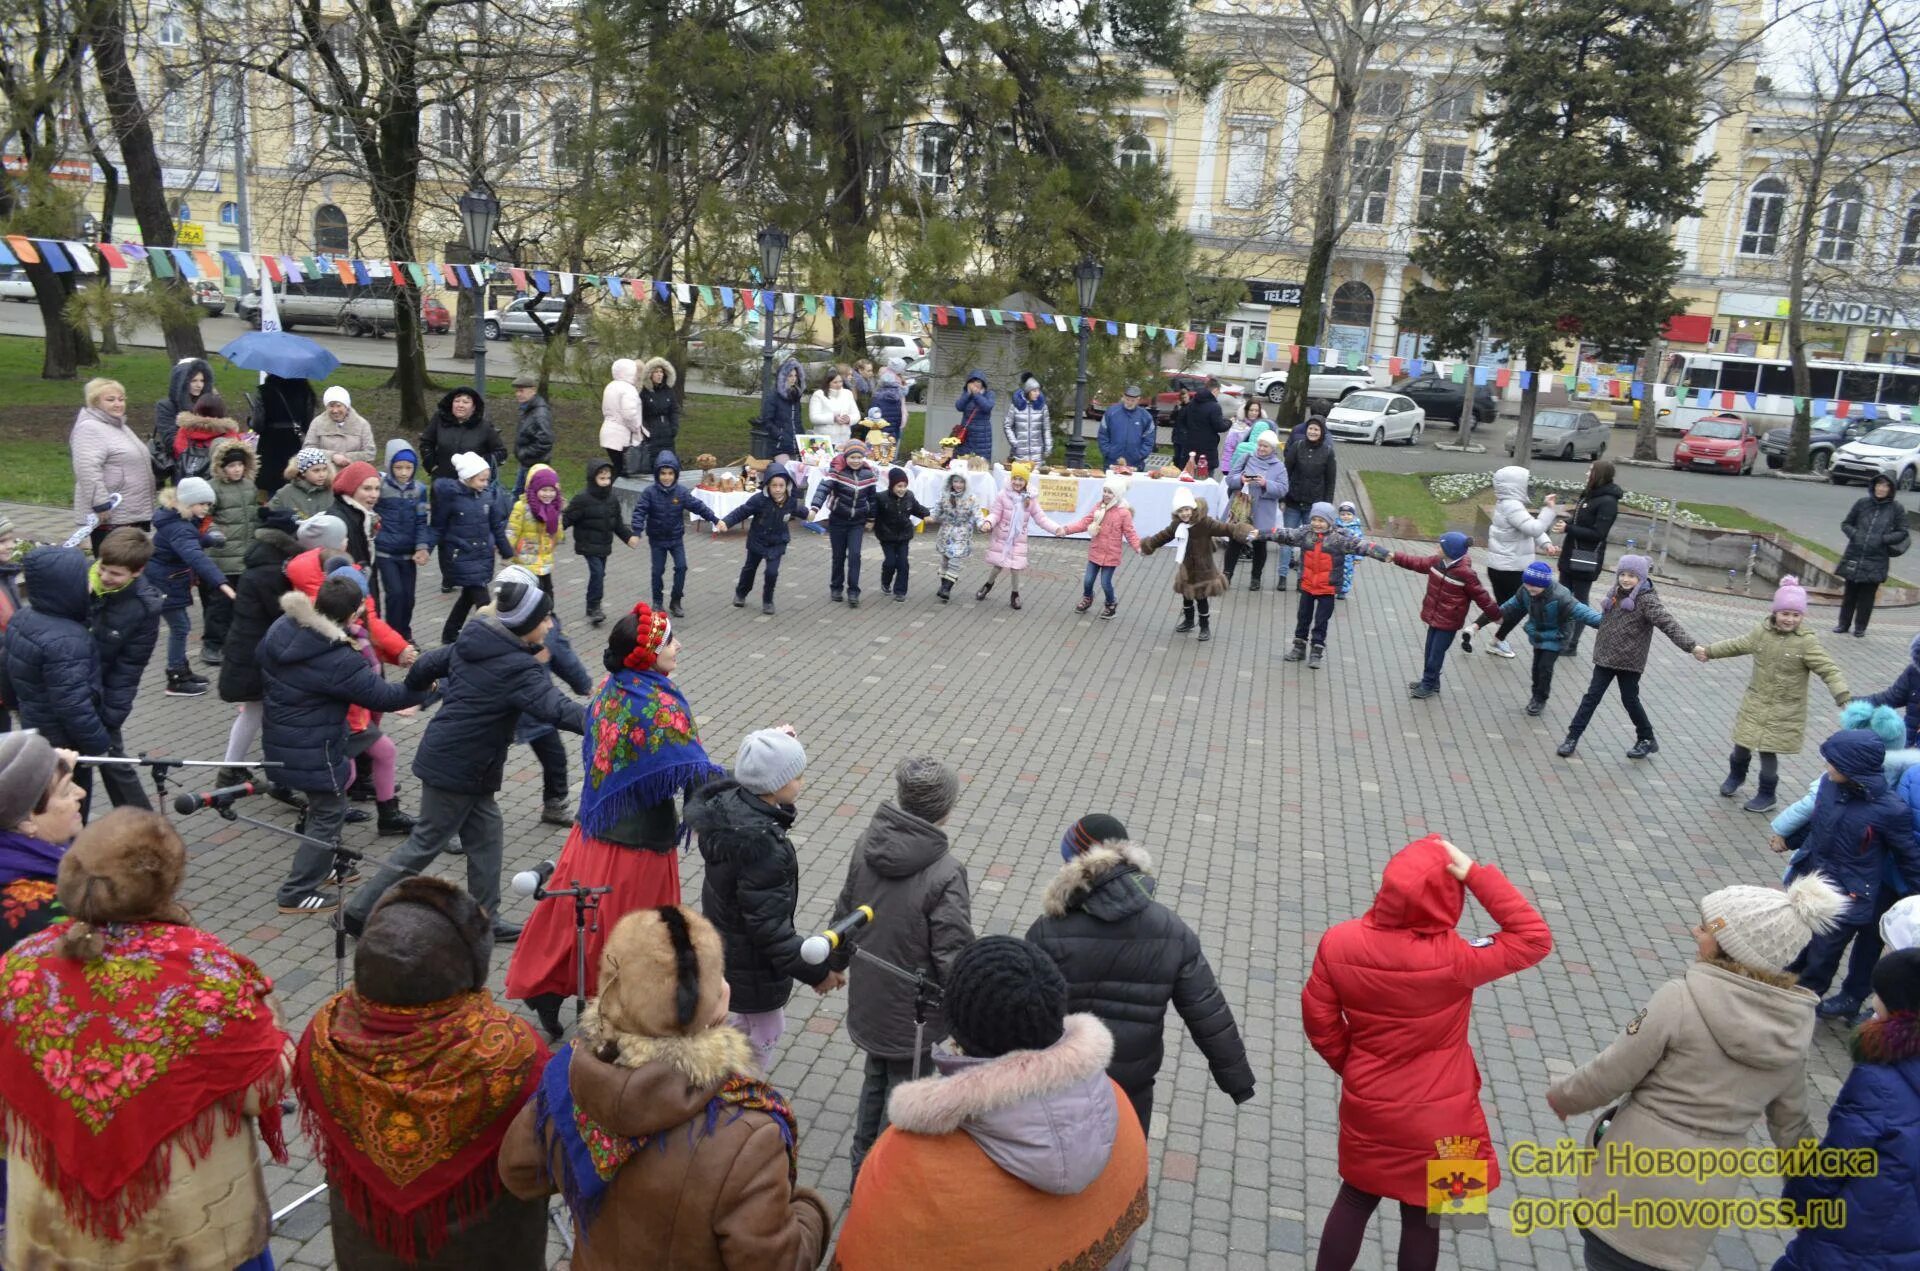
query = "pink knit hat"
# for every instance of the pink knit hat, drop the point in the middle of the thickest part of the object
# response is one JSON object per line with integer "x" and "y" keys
{"x": 1790, "y": 596}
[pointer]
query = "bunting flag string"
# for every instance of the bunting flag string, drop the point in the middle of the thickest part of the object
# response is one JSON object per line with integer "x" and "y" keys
{"x": 68, "y": 256}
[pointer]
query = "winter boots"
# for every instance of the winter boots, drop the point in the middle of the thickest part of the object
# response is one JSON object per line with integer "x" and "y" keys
{"x": 182, "y": 682}
{"x": 1642, "y": 747}
{"x": 1315, "y": 656}
{"x": 1086, "y": 603}
{"x": 946, "y": 590}
{"x": 1297, "y": 653}
{"x": 1013, "y": 600}
{"x": 739, "y": 600}
{"x": 985, "y": 587}
{"x": 1566, "y": 748}
{"x": 1186, "y": 621}
{"x": 596, "y": 617}
{"x": 556, "y": 812}
{"x": 1109, "y": 611}
{"x": 1535, "y": 705}
{"x": 393, "y": 822}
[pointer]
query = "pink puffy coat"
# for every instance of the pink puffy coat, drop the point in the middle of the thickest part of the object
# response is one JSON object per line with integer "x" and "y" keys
{"x": 1008, "y": 520}
{"x": 1117, "y": 526}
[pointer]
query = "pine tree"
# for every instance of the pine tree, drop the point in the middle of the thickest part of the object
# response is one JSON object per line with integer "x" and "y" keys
{"x": 1594, "y": 109}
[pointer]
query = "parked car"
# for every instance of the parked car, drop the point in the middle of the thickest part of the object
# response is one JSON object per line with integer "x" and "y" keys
{"x": 1894, "y": 451}
{"x": 1718, "y": 443}
{"x": 1322, "y": 386}
{"x": 434, "y": 316}
{"x": 15, "y": 286}
{"x": 528, "y": 316}
{"x": 327, "y": 302}
{"x": 208, "y": 295}
{"x": 919, "y": 371}
{"x": 1441, "y": 398}
{"x": 1826, "y": 435}
{"x": 886, "y": 346}
{"x": 1377, "y": 417}
{"x": 1567, "y": 434}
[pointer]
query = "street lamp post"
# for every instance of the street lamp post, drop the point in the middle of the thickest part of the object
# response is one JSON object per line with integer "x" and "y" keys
{"x": 773, "y": 245}
{"x": 479, "y": 217}
{"x": 1087, "y": 275}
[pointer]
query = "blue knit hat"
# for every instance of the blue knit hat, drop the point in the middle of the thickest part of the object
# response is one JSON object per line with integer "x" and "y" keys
{"x": 352, "y": 574}
{"x": 1454, "y": 544}
{"x": 1538, "y": 574}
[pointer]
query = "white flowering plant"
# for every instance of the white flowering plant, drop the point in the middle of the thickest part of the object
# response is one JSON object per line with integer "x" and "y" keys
{"x": 1453, "y": 487}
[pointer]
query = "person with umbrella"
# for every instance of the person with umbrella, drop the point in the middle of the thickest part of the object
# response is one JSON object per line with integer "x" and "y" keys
{"x": 287, "y": 363}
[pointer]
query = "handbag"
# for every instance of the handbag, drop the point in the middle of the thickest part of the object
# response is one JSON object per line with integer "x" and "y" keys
{"x": 632, "y": 460}
{"x": 1240, "y": 508}
{"x": 1580, "y": 560}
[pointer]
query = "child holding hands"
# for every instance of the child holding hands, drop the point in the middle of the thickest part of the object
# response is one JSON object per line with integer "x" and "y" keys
{"x": 1111, "y": 520}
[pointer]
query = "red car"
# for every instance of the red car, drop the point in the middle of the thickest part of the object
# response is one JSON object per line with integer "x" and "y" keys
{"x": 434, "y": 316}
{"x": 1718, "y": 443}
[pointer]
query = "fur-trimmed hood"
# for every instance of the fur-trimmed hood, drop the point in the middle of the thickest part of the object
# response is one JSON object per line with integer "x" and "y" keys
{"x": 634, "y": 1085}
{"x": 647, "y": 369}
{"x": 224, "y": 447}
{"x": 1892, "y": 1040}
{"x": 1079, "y": 877}
{"x": 1048, "y": 1117}
{"x": 298, "y": 606}
{"x": 705, "y": 1058}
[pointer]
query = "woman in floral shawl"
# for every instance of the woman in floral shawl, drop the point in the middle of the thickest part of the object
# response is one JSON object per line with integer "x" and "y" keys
{"x": 641, "y": 753}
{"x": 140, "y": 1057}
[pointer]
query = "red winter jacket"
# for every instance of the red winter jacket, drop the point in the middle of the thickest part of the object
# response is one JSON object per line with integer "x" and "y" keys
{"x": 304, "y": 572}
{"x": 1387, "y": 1004}
{"x": 1450, "y": 589}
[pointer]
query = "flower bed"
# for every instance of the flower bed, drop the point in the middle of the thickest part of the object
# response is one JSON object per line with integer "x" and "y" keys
{"x": 1455, "y": 487}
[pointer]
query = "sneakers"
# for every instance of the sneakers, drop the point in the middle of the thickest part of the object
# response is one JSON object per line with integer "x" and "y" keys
{"x": 1297, "y": 652}
{"x": 1566, "y": 748}
{"x": 182, "y": 682}
{"x": 900, "y": 597}
{"x": 505, "y": 932}
{"x": 596, "y": 617}
{"x": 1643, "y": 747}
{"x": 1109, "y": 611}
{"x": 291, "y": 798}
{"x": 1315, "y": 656}
{"x": 853, "y": 600}
{"x": 1501, "y": 649}
{"x": 233, "y": 776}
{"x": 1535, "y": 706}
{"x": 311, "y": 903}
{"x": 210, "y": 653}
{"x": 1421, "y": 692}
{"x": 343, "y": 876}
{"x": 766, "y": 607}
{"x": 674, "y": 609}
{"x": 354, "y": 816}
{"x": 837, "y": 597}
{"x": 739, "y": 600}
{"x": 1839, "y": 1006}
{"x": 556, "y": 812}
{"x": 1086, "y": 603}
{"x": 1253, "y": 584}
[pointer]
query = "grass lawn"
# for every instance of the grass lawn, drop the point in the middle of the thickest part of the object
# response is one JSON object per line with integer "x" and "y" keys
{"x": 1405, "y": 494}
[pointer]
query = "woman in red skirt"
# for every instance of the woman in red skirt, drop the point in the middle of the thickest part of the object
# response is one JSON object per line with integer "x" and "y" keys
{"x": 641, "y": 754}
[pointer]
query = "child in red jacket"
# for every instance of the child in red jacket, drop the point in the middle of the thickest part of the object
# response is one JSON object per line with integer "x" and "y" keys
{"x": 1451, "y": 587}
{"x": 1324, "y": 550}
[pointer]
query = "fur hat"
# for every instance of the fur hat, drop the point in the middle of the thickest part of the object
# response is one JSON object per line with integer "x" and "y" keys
{"x": 925, "y": 787}
{"x": 27, "y": 765}
{"x": 467, "y": 465}
{"x": 1763, "y": 927}
{"x": 662, "y": 972}
{"x": 1896, "y": 980}
{"x": 323, "y": 530}
{"x": 1004, "y": 995}
{"x": 1789, "y": 596}
{"x": 1454, "y": 545}
{"x": 192, "y": 490}
{"x": 125, "y": 867}
{"x": 351, "y": 477}
{"x": 768, "y": 759}
{"x": 1089, "y": 832}
{"x": 1537, "y": 574}
{"x": 426, "y": 941}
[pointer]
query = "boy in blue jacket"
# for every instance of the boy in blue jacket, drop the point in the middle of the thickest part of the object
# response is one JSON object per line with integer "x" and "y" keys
{"x": 1551, "y": 612}
{"x": 181, "y": 535}
{"x": 400, "y": 548}
{"x": 469, "y": 528}
{"x": 661, "y": 514}
{"x": 1905, "y": 693}
{"x": 767, "y": 540}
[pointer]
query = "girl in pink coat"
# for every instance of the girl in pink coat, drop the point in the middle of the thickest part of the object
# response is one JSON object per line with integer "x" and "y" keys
{"x": 1111, "y": 521}
{"x": 1014, "y": 510}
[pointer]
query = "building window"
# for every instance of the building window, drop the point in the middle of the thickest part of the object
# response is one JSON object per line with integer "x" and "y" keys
{"x": 1246, "y": 165}
{"x": 506, "y": 133}
{"x": 566, "y": 134}
{"x": 229, "y": 213}
{"x": 1367, "y": 188}
{"x": 330, "y": 229}
{"x": 1840, "y": 226}
{"x": 447, "y": 128}
{"x": 933, "y": 159}
{"x": 1766, "y": 206}
{"x": 172, "y": 33}
{"x": 1910, "y": 236}
{"x": 1135, "y": 153}
{"x": 1380, "y": 97}
{"x": 339, "y": 131}
{"x": 173, "y": 110}
{"x": 1451, "y": 105}
{"x": 1353, "y": 305}
{"x": 1443, "y": 171}
{"x": 182, "y": 212}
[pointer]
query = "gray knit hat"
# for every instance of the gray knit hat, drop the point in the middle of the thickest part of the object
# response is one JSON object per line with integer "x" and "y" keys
{"x": 27, "y": 765}
{"x": 926, "y": 787}
{"x": 768, "y": 760}
{"x": 518, "y": 599}
{"x": 192, "y": 490}
{"x": 322, "y": 529}
{"x": 1764, "y": 928}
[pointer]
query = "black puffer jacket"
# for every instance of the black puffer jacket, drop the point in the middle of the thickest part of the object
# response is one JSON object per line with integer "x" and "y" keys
{"x": 1125, "y": 956}
{"x": 52, "y": 665}
{"x": 313, "y": 674}
{"x": 1876, "y": 531}
{"x": 1197, "y": 429}
{"x": 446, "y": 437}
{"x": 659, "y": 408}
{"x": 1311, "y": 472}
{"x": 893, "y": 517}
{"x": 490, "y": 677}
{"x": 1591, "y": 522}
{"x": 126, "y": 626}
{"x": 256, "y": 606}
{"x": 594, "y": 516}
{"x": 750, "y": 893}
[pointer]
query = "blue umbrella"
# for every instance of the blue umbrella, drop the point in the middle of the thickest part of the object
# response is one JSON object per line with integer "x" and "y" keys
{"x": 281, "y": 353}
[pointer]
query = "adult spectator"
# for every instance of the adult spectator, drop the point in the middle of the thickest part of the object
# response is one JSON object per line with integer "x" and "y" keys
{"x": 1198, "y": 426}
{"x": 1127, "y": 431}
{"x": 1029, "y": 424}
{"x": 1514, "y": 534}
{"x": 533, "y": 439}
{"x": 459, "y": 426}
{"x": 659, "y": 408}
{"x": 832, "y": 409}
{"x": 340, "y": 430}
{"x": 621, "y": 424}
{"x": 187, "y": 382}
{"x": 39, "y": 815}
{"x": 1253, "y": 419}
{"x": 1583, "y": 552}
{"x": 780, "y": 409}
{"x": 109, "y": 458}
{"x": 1312, "y": 476}
{"x": 286, "y": 407}
{"x": 1876, "y": 530}
{"x": 975, "y": 429}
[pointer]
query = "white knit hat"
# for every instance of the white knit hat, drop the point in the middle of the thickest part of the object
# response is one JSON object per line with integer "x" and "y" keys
{"x": 467, "y": 465}
{"x": 1117, "y": 482}
{"x": 1900, "y": 925}
{"x": 1764, "y": 928}
{"x": 337, "y": 394}
{"x": 1182, "y": 498}
{"x": 192, "y": 490}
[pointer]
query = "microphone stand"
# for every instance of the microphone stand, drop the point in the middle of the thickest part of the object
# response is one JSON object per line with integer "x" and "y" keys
{"x": 586, "y": 918}
{"x": 926, "y": 996}
{"x": 162, "y": 767}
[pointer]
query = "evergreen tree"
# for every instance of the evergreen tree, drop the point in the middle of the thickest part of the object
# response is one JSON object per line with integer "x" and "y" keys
{"x": 1594, "y": 108}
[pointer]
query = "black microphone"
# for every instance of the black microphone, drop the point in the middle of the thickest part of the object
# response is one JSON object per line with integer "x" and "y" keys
{"x": 531, "y": 882}
{"x": 815, "y": 949}
{"x": 187, "y": 803}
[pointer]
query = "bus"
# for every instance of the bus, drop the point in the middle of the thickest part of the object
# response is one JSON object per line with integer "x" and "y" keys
{"x": 1675, "y": 400}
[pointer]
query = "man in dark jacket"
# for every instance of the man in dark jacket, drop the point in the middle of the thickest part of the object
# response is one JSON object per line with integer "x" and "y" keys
{"x": 1125, "y": 956}
{"x": 459, "y": 426}
{"x": 1198, "y": 425}
{"x": 1312, "y": 475}
{"x": 125, "y": 621}
{"x": 533, "y": 440}
{"x": 52, "y": 664}
{"x": 767, "y": 540}
{"x": 313, "y": 673}
{"x": 975, "y": 405}
{"x": 781, "y": 407}
{"x": 494, "y": 671}
{"x": 922, "y": 919}
{"x": 752, "y": 884}
{"x": 894, "y": 512}
{"x": 661, "y": 514}
{"x": 594, "y": 517}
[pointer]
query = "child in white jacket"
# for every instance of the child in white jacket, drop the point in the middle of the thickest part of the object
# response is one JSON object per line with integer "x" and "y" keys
{"x": 1513, "y": 537}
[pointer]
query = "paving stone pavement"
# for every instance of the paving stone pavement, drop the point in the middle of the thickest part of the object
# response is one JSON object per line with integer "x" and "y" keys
{"x": 1269, "y": 795}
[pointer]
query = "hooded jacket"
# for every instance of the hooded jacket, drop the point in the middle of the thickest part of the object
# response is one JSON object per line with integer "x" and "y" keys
{"x": 533, "y": 437}
{"x": 1905, "y": 692}
{"x": 235, "y": 506}
{"x": 922, "y": 919}
{"x": 402, "y": 509}
{"x": 1859, "y": 825}
{"x": 769, "y": 534}
{"x": 1197, "y": 429}
{"x": 256, "y": 606}
{"x": 352, "y": 436}
{"x": 313, "y": 674}
{"x": 446, "y": 437}
{"x": 533, "y": 543}
{"x": 194, "y": 438}
{"x": 661, "y": 510}
{"x": 51, "y": 663}
{"x": 890, "y": 399}
{"x": 1387, "y": 1006}
{"x": 659, "y": 408}
{"x": 1013, "y": 514}
{"x": 1029, "y": 428}
{"x": 1127, "y": 436}
{"x": 178, "y": 401}
{"x": 1030, "y": 1159}
{"x": 1711, "y": 1052}
{"x": 307, "y": 570}
{"x": 1514, "y": 533}
{"x": 780, "y": 407}
{"x": 490, "y": 678}
{"x": 1590, "y": 523}
{"x": 126, "y": 626}
{"x": 976, "y": 417}
{"x": 468, "y": 528}
{"x": 750, "y": 893}
{"x": 621, "y": 422}
{"x": 1552, "y": 616}
{"x": 1126, "y": 957}
{"x": 1269, "y": 494}
{"x": 1878, "y": 1109}
{"x": 1313, "y": 472}
{"x": 846, "y": 493}
{"x": 1773, "y": 710}
{"x": 1876, "y": 531}
{"x": 180, "y": 556}
{"x": 108, "y": 458}
{"x": 1452, "y": 588}
{"x": 594, "y": 516}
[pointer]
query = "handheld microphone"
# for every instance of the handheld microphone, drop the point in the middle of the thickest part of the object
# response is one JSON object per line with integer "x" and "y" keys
{"x": 532, "y": 882}
{"x": 186, "y": 803}
{"x": 815, "y": 950}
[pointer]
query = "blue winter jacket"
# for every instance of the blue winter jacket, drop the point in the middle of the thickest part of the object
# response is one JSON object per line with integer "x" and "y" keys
{"x": 126, "y": 626}
{"x": 1905, "y": 693}
{"x": 976, "y": 416}
{"x": 313, "y": 674}
{"x": 469, "y": 529}
{"x": 661, "y": 510}
{"x": 890, "y": 399}
{"x": 51, "y": 663}
{"x": 179, "y": 556}
{"x": 1353, "y": 526}
{"x": 1878, "y": 1109}
{"x": 490, "y": 678}
{"x": 769, "y": 534}
{"x": 1126, "y": 434}
{"x": 1550, "y": 616}
{"x": 402, "y": 509}
{"x": 783, "y": 416}
{"x": 1859, "y": 826}
{"x": 566, "y": 665}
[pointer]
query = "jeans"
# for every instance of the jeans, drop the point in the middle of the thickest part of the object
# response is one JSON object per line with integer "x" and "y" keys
{"x": 752, "y": 566}
{"x": 1629, "y": 698}
{"x": 1867, "y": 948}
{"x": 882, "y": 1075}
{"x": 217, "y": 614}
{"x": 1346, "y": 1230}
{"x": 1315, "y": 612}
{"x": 846, "y": 540}
{"x": 1505, "y": 582}
{"x": 469, "y": 599}
{"x": 763, "y": 1029}
{"x": 596, "y": 582}
{"x": 893, "y": 567}
{"x": 1821, "y": 958}
{"x": 1438, "y": 642}
{"x": 552, "y": 754}
{"x": 1543, "y": 660}
{"x": 1292, "y": 518}
{"x": 179, "y": 623}
{"x": 1856, "y": 606}
{"x": 1104, "y": 575}
{"x": 398, "y": 575}
{"x": 661, "y": 551}
{"x": 326, "y": 813}
{"x": 475, "y": 818}
{"x": 122, "y": 781}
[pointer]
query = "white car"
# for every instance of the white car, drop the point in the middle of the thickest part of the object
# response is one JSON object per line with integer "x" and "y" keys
{"x": 1322, "y": 386}
{"x": 14, "y": 285}
{"x": 1377, "y": 417}
{"x": 1892, "y": 452}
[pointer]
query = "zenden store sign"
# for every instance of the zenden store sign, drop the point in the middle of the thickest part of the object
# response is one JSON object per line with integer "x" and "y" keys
{"x": 1837, "y": 311}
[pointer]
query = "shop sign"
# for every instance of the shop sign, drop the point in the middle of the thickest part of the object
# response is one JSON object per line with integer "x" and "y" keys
{"x": 1279, "y": 295}
{"x": 1835, "y": 310}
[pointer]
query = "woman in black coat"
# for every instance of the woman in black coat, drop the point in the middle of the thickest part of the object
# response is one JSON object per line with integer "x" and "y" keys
{"x": 1583, "y": 554}
{"x": 1876, "y": 530}
{"x": 1125, "y": 956}
{"x": 256, "y": 606}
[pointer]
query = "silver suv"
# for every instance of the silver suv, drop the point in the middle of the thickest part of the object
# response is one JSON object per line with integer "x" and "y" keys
{"x": 328, "y": 302}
